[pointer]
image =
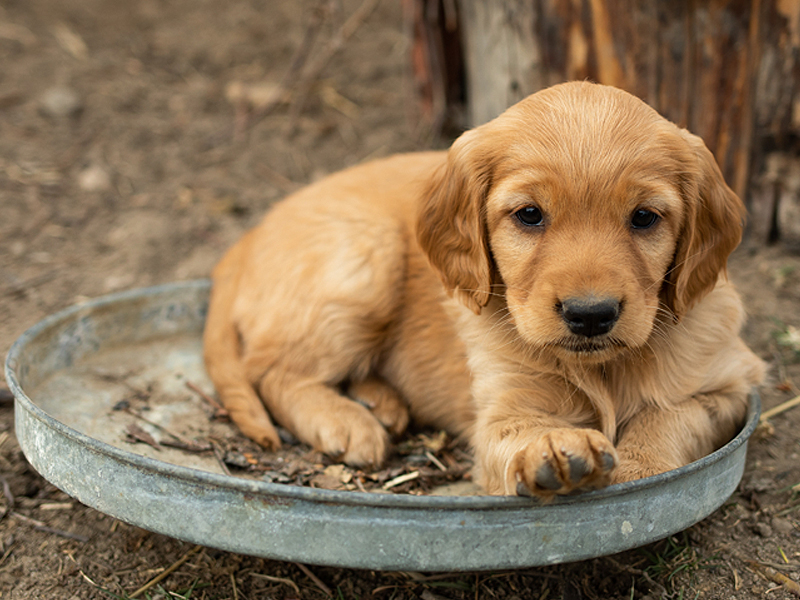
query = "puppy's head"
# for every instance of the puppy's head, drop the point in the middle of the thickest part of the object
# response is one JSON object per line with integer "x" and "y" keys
{"x": 589, "y": 214}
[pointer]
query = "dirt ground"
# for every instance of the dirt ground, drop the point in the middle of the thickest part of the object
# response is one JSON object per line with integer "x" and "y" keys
{"x": 125, "y": 161}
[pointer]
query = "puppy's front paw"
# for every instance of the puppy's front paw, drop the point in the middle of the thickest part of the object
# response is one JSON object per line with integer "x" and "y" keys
{"x": 353, "y": 435}
{"x": 562, "y": 461}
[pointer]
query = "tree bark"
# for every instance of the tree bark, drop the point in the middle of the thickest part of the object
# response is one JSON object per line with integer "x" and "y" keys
{"x": 727, "y": 70}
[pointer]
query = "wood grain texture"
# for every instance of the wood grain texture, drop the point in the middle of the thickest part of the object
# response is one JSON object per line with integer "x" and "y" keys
{"x": 728, "y": 70}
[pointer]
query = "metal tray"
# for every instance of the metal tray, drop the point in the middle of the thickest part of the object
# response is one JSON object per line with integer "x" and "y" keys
{"x": 65, "y": 426}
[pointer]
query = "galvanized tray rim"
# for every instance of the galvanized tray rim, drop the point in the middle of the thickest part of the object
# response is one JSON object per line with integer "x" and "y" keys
{"x": 289, "y": 491}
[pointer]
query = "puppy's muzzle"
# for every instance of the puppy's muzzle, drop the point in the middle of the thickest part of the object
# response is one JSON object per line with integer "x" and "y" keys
{"x": 590, "y": 316}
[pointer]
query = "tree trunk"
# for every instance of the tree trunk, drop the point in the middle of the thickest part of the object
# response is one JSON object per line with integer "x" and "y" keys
{"x": 727, "y": 70}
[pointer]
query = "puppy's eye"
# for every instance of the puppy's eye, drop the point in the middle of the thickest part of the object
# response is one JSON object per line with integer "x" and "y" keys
{"x": 644, "y": 219}
{"x": 530, "y": 216}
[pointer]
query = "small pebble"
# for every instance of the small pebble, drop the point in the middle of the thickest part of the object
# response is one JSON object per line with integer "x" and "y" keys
{"x": 94, "y": 179}
{"x": 782, "y": 526}
{"x": 763, "y": 530}
{"x": 740, "y": 512}
{"x": 61, "y": 102}
{"x": 113, "y": 283}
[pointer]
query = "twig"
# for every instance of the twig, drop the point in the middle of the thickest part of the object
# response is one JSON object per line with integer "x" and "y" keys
{"x": 56, "y": 506}
{"x": 6, "y": 554}
{"x": 336, "y": 43}
{"x": 188, "y": 443}
{"x": 219, "y": 410}
{"x": 783, "y": 565}
{"x": 289, "y": 79}
{"x": 137, "y": 434}
{"x": 737, "y": 581}
{"x": 233, "y": 585}
{"x": 9, "y": 497}
{"x": 283, "y": 580}
{"x": 634, "y": 571}
{"x": 39, "y": 526}
{"x": 384, "y": 588}
{"x": 220, "y": 458}
{"x": 166, "y": 572}
{"x": 89, "y": 579}
{"x": 768, "y": 572}
{"x": 401, "y": 479}
{"x": 431, "y": 457}
{"x": 781, "y": 408}
{"x": 325, "y": 589}
{"x": 195, "y": 447}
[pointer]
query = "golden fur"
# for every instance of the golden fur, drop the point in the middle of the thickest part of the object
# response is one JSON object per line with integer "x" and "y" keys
{"x": 412, "y": 286}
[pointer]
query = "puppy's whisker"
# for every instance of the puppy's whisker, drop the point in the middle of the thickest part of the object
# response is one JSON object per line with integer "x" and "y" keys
{"x": 477, "y": 291}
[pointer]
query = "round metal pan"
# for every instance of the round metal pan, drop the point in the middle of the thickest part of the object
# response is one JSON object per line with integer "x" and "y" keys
{"x": 60, "y": 420}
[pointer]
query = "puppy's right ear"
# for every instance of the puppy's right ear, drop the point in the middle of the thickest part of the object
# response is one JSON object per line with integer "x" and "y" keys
{"x": 451, "y": 225}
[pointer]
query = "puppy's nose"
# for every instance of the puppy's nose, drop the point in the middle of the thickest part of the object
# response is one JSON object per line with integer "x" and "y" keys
{"x": 590, "y": 316}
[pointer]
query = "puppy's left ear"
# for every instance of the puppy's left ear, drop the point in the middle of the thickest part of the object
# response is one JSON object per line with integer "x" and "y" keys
{"x": 712, "y": 229}
{"x": 451, "y": 227}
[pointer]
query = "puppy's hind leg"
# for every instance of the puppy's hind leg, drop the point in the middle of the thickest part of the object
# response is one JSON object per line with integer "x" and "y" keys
{"x": 384, "y": 402}
{"x": 222, "y": 354}
{"x": 320, "y": 416}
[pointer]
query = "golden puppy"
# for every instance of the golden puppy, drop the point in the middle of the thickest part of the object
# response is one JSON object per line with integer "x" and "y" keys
{"x": 552, "y": 287}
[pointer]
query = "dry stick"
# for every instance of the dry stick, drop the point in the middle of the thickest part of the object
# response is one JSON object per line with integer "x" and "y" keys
{"x": 88, "y": 579}
{"x": 242, "y": 120}
{"x": 337, "y": 42}
{"x": 220, "y": 458}
{"x": 781, "y": 408}
{"x": 290, "y": 77}
{"x": 401, "y": 479}
{"x": 138, "y": 434}
{"x": 218, "y": 408}
{"x": 430, "y": 456}
{"x": 325, "y": 589}
{"x": 737, "y": 581}
{"x": 383, "y": 588}
{"x": 9, "y": 497}
{"x": 776, "y": 577}
{"x": 233, "y": 585}
{"x": 39, "y": 526}
{"x": 175, "y": 436}
{"x": 634, "y": 571}
{"x": 166, "y": 572}
{"x": 6, "y": 554}
{"x": 783, "y": 565}
{"x": 283, "y": 580}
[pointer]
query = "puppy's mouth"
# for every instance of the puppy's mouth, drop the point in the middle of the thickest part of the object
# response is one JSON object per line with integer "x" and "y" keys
{"x": 590, "y": 348}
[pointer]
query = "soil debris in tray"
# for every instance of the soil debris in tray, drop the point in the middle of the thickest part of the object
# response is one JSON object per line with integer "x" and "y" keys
{"x": 411, "y": 469}
{"x": 422, "y": 462}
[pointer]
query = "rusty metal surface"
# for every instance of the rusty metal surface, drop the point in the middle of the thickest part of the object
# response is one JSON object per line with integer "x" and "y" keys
{"x": 69, "y": 371}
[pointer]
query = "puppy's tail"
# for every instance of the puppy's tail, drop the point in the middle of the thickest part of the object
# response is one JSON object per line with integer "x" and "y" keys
{"x": 222, "y": 353}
